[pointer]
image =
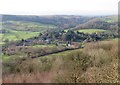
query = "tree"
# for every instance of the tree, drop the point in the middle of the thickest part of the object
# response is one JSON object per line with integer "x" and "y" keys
{"x": 6, "y": 40}
{"x": 40, "y": 34}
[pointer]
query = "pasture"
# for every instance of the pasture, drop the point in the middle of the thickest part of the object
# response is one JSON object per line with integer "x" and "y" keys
{"x": 28, "y": 26}
{"x": 90, "y": 31}
{"x": 17, "y": 35}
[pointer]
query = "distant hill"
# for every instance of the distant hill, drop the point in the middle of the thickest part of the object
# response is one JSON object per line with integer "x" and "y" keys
{"x": 68, "y": 21}
{"x": 98, "y": 23}
{"x": 62, "y": 21}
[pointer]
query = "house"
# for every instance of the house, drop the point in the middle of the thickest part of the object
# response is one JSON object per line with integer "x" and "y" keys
{"x": 73, "y": 45}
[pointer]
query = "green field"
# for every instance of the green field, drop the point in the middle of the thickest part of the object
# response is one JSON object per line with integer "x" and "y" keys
{"x": 68, "y": 29}
{"x": 90, "y": 31}
{"x": 13, "y": 57}
{"x": 17, "y": 35}
{"x": 28, "y": 26}
{"x": 48, "y": 45}
{"x": 61, "y": 53}
{"x": 18, "y": 30}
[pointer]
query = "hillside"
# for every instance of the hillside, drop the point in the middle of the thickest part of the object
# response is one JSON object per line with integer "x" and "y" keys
{"x": 59, "y": 49}
{"x": 98, "y": 23}
{"x": 96, "y": 63}
{"x": 65, "y": 21}
{"x": 39, "y": 24}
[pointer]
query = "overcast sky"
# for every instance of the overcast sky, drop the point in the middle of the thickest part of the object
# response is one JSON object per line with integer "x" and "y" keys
{"x": 59, "y": 7}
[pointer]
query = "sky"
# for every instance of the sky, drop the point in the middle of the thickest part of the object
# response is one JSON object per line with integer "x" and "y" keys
{"x": 59, "y": 7}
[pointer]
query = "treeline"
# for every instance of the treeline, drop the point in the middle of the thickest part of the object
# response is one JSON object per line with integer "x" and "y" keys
{"x": 54, "y": 37}
{"x": 76, "y": 36}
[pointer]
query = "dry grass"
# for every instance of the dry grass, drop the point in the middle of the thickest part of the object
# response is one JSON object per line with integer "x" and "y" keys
{"x": 39, "y": 77}
{"x": 105, "y": 57}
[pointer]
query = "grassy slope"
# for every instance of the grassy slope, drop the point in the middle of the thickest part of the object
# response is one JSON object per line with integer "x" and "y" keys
{"x": 7, "y": 58}
{"x": 31, "y": 26}
{"x": 90, "y": 31}
{"x": 51, "y": 45}
{"x": 23, "y": 30}
{"x": 17, "y": 35}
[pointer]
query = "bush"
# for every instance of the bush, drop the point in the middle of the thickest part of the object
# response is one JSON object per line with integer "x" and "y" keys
{"x": 96, "y": 63}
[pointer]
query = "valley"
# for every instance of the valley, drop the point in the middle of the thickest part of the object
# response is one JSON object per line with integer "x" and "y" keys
{"x": 59, "y": 48}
